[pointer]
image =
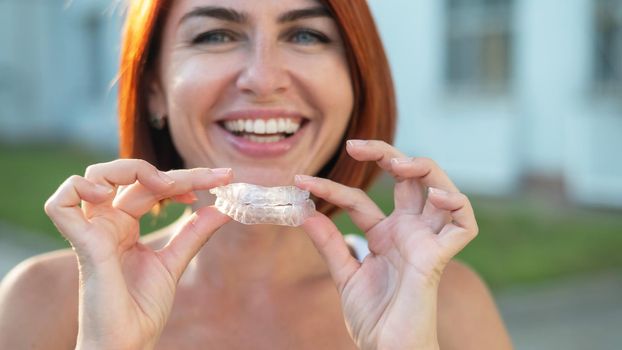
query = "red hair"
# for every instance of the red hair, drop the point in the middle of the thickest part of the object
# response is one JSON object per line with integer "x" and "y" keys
{"x": 373, "y": 116}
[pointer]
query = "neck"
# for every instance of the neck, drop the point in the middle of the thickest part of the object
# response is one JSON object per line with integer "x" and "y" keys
{"x": 239, "y": 258}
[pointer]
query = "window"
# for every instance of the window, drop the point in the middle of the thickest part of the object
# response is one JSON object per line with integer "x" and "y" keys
{"x": 478, "y": 45}
{"x": 94, "y": 26}
{"x": 608, "y": 46}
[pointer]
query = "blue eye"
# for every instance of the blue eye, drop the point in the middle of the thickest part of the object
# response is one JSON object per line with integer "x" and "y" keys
{"x": 308, "y": 37}
{"x": 214, "y": 37}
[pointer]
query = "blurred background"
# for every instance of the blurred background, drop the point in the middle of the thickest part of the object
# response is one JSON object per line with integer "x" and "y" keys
{"x": 520, "y": 101}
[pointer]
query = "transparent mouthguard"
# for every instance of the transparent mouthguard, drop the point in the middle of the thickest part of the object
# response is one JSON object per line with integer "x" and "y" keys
{"x": 252, "y": 204}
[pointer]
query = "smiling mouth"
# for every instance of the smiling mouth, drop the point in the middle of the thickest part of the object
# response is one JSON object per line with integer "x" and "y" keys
{"x": 264, "y": 130}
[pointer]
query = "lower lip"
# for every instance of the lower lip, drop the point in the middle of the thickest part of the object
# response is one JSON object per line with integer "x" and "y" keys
{"x": 264, "y": 150}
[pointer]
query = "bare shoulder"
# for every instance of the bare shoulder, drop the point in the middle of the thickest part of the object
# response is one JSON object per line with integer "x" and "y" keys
{"x": 467, "y": 315}
{"x": 39, "y": 303}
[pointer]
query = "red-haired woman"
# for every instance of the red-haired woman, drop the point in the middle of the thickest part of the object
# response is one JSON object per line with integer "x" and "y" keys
{"x": 263, "y": 92}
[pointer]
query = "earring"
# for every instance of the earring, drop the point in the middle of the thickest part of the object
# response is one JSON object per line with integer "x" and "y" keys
{"x": 157, "y": 121}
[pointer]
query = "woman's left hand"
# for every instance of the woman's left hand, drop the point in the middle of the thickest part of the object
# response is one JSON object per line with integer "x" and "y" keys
{"x": 389, "y": 300}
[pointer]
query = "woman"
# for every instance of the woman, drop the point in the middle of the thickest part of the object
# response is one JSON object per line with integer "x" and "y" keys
{"x": 258, "y": 92}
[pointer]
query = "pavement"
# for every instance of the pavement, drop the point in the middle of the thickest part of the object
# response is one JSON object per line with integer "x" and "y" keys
{"x": 578, "y": 313}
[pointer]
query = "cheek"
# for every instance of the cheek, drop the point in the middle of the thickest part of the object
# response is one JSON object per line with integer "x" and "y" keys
{"x": 335, "y": 91}
{"x": 195, "y": 86}
{"x": 325, "y": 79}
{"x": 331, "y": 92}
{"x": 341, "y": 96}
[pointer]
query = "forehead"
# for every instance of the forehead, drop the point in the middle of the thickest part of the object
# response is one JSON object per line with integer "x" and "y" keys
{"x": 253, "y": 8}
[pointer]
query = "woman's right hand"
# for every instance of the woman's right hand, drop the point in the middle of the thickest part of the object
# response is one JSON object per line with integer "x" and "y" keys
{"x": 126, "y": 288}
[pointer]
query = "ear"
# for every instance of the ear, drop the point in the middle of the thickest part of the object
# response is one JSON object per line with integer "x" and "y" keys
{"x": 156, "y": 98}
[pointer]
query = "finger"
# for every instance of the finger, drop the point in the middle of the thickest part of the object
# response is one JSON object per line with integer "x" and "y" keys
{"x": 427, "y": 171}
{"x": 436, "y": 217}
{"x": 423, "y": 171}
{"x": 186, "y": 198}
{"x": 63, "y": 207}
{"x": 139, "y": 199}
{"x": 364, "y": 212}
{"x": 128, "y": 171}
{"x": 373, "y": 150}
{"x": 408, "y": 195}
{"x": 122, "y": 172}
{"x": 187, "y": 242}
{"x": 463, "y": 228}
{"x": 333, "y": 248}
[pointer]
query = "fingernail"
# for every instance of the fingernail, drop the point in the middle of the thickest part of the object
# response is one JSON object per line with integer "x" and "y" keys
{"x": 437, "y": 191}
{"x": 401, "y": 160}
{"x": 192, "y": 196}
{"x": 194, "y": 218}
{"x": 356, "y": 143}
{"x": 302, "y": 178}
{"x": 104, "y": 189}
{"x": 221, "y": 171}
{"x": 167, "y": 179}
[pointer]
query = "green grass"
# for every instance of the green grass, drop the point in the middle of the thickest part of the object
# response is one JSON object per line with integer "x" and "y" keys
{"x": 530, "y": 239}
{"x": 521, "y": 240}
{"x": 31, "y": 174}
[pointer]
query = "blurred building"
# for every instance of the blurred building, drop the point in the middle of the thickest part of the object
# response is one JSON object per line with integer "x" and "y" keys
{"x": 501, "y": 93}
{"x": 58, "y": 61}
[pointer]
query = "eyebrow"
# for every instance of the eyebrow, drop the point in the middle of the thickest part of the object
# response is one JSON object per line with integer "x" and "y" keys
{"x": 311, "y": 12}
{"x": 222, "y": 13}
{"x": 231, "y": 15}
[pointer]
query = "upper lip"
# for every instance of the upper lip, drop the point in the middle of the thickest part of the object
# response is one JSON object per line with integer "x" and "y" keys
{"x": 260, "y": 114}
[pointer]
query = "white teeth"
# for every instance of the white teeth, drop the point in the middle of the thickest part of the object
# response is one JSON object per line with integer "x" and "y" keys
{"x": 271, "y": 126}
{"x": 261, "y": 126}
{"x": 263, "y": 139}
{"x": 248, "y": 126}
{"x": 280, "y": 125}
{"x": 291, "y": 126}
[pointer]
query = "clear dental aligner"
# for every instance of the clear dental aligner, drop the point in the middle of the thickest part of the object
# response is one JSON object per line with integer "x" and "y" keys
{"x": 252, "y": 204}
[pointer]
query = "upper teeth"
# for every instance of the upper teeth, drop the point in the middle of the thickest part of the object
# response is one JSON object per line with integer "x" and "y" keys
{"x": 261, "y": 126}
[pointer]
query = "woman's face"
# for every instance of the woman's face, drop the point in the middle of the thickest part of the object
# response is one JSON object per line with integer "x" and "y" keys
{"x": 262, "y": 87}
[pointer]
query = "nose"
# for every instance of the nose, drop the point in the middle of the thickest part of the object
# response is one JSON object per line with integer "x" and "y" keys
{"x": 264, "y": 74}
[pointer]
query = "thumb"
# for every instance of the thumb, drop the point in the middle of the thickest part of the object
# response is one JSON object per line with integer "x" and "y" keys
{"x": 330, "y": 243}
{"x": 187, "y": 242}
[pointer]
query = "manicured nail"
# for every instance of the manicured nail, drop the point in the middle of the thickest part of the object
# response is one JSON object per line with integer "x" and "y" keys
{"x": 357, "y": 143}
{"x": 192, "y": 196}
{"x": 194, "y": 218}
{"x": 167, "y": 179}
{"x": 437, "y": 191}
{"x": 221, "y": 171}
{"x": 397, "y": 161}
{"x": 302, "y": 178}
{"x": 104, "y": 189}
